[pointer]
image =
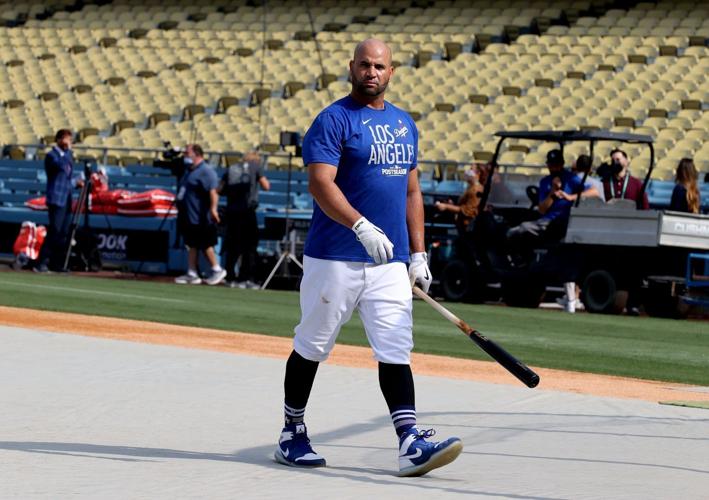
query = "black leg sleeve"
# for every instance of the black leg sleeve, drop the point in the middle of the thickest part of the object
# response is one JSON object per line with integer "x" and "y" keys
{"x": 300, "y": 375}
{"x": 397, "y": 384}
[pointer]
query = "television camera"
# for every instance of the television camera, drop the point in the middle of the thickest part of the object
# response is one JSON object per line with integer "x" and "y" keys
{"x": 172, "y": 160}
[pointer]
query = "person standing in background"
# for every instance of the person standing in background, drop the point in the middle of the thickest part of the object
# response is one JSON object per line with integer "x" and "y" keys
{"x": 59, "y": 167}
{"x": 685, "y": 195}
{"x": 466, "y": 209}
{"x": 197, "y": 216}
{"x": 240, "y": 185}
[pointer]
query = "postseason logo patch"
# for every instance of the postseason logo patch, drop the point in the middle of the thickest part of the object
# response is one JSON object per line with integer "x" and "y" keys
{"x": 394, "y": 157}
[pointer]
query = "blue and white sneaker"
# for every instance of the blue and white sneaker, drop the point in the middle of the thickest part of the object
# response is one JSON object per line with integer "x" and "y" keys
{"x": 418, "y": 456}
{"x": 294, "y": 448}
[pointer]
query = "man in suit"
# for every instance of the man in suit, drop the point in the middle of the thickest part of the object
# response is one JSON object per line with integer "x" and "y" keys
{"x": 59, "y": 166}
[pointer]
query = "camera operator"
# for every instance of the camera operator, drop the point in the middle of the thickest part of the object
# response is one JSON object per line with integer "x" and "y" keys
{"x": 240, "y": 184}
{"x": 618, "y": 183}
{"x": 197, "y": 218}
{"x": 59, "y": 166}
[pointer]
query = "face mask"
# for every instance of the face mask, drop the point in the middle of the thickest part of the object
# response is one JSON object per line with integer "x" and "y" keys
{"x": 188, "y": 161}
{"x": 616, "y": 167}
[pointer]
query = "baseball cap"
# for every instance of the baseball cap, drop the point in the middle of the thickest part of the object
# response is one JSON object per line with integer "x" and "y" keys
{"x": 555, "y": 157}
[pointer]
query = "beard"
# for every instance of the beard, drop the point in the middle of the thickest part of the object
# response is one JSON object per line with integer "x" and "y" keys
{"x": 362, "y": 89}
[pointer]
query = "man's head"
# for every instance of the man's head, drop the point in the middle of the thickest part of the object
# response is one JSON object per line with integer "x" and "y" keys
{"x": 619, "y": 162}
{"x": 555, "y": 161}
{"x": 252, "y": 157}
{"x": 582, "y": 164}
{"x": 194, "y": 154}
{"x": 370, "y": 69}
{"x": 64, "y": 139}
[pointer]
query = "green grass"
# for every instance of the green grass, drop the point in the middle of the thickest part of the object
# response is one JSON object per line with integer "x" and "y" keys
{"x": 646, "y": 348}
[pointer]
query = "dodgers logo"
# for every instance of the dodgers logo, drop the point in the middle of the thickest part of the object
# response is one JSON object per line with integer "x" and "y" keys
{"x": 393, "y": 156}
{"x": 401, "y": 131}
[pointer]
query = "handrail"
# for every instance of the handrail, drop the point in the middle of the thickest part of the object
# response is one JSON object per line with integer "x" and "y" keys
{"x": 442, "y": 163}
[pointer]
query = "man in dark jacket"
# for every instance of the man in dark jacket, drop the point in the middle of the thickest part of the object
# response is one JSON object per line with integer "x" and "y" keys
{"x": 240, "y": 184}
{"x": 59, "y": 166}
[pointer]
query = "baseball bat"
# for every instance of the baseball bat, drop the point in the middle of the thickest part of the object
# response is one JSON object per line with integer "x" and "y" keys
{"x": 512, "y": 364}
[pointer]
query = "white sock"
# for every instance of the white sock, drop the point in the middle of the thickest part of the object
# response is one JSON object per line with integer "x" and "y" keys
{"x": 192, "y": 272}
{"x": 570, "y": 287}
{"x": 217, "y": 268}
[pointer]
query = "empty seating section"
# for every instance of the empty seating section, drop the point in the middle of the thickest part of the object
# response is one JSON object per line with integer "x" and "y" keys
{"x": 135, "y": 73}
{"x": 23, "y": 180}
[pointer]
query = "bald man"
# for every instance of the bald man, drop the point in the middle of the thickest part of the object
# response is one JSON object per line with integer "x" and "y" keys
{"x": 367, "y": 225}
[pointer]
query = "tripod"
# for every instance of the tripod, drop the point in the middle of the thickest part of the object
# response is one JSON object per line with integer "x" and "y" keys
{"x": 87, "y": 248}
{"x": 287, "y": 244}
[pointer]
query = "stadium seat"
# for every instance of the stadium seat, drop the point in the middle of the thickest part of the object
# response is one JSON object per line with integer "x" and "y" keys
{"x": 141, "y": 65}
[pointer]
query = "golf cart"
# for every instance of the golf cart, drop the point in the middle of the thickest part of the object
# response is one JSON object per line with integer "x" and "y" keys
{"x": 607, "y": 248}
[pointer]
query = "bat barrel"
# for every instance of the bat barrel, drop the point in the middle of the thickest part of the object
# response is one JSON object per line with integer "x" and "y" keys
{"x": 525, "y": 374}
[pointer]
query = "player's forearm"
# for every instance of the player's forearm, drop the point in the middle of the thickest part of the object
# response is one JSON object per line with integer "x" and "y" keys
{"x": 332, "y": 201}
{"x": 414, "y": 221}
{"x": 545, "y": 204}
{"x": 214, "y": 199}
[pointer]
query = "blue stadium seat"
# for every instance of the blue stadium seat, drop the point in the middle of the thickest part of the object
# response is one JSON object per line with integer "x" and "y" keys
{"x": 450, "y": 187}
{"x": 14, "y": 199}
{"x": 161, "y": 182}
{"x": 111, "y": 171}
{"x": 269, "y": 199}
{"x": 25, "y": 186}
{"x": 659, "y": 193}
{"x": 427, "y": 185}
{"x": 704, "y": 190}
{"x": 300, "y": 175}
{"x": 119, "y": 180}
{"x": 279, "y": 186}
{"x": 147, "y": 170}
{"x": 18, "y": 174}
{"x": 141, "y": 182}
{"x": 304, "y": 200}
{"x": 24, "y": 164}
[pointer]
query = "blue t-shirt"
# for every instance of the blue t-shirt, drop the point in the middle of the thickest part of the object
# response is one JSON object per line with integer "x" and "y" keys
{"x": 193, "y": 200}
{"x": 560, "y": 208}
{"x": 592, "y": 182}
{"x": 373, "y": 151}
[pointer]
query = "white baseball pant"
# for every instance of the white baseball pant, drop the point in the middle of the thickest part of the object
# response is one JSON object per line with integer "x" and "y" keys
{"x": 331, "y": 290}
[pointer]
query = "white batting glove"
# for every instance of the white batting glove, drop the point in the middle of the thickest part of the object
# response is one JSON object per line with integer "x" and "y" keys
{"x": 374, "y": 241}
{"x": 419, "y": 272}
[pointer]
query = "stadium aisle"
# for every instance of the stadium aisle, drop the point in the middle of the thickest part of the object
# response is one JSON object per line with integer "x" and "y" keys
{"x": 94, "y": 418}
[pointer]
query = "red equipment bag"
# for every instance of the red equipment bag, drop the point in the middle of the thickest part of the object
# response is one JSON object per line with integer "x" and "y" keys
{"x": 29, "y": 241}
{"x": 147, "y": 199}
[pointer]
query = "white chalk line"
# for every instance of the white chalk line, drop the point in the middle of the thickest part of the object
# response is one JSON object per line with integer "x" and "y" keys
{"x": 95, "y": 292}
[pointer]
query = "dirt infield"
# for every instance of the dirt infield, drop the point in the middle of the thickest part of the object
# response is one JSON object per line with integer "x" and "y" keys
{"x": 263, "y": 345}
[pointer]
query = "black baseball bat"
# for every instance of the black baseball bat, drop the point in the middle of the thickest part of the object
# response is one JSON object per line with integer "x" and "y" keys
{"x": 512, "y": 364}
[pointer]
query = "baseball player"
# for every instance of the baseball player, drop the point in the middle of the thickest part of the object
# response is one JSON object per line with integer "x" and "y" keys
{"x": 367, "y": 225}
